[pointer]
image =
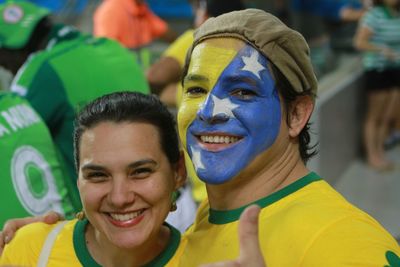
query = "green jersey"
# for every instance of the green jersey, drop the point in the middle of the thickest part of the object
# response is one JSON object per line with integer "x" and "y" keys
{"x": 74, "y": 69}
{"x": 32, "y": 179}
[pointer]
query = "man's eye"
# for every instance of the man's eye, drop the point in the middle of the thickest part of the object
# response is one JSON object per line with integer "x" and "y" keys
{"x": 244, "y": 94}
{"x": 196, "y": 91}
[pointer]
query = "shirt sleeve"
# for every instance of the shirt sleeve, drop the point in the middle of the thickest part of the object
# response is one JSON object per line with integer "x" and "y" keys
{"x": 24, "y": 249}
{"x": 353, "y": 242}
{"x": 370, "y": 20}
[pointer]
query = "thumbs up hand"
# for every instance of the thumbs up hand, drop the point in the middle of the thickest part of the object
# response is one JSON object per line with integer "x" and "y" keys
{"x": 250, "y": 252}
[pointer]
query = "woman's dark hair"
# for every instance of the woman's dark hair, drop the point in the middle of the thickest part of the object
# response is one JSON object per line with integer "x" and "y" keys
{"x": 129, "y": 107}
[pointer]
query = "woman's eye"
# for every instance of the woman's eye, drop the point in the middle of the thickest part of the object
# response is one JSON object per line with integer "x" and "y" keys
{"x": 141, "y": 172}
{"x": 196, "y": 91}
{"x": 243, "y": 94}
{"x": 96, "y": 176}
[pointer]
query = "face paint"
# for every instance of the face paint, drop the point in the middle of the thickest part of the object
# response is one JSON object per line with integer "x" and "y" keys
{"x": 230, "y": 113}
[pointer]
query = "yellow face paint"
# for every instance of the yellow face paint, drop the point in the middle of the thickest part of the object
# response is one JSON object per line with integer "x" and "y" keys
{"x": 208, "y": 61}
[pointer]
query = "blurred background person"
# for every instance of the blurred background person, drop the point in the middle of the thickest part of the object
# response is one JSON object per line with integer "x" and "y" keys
{"x": 33, "y": 179}
{"x": 320, "y": 21}
{"x": 132, "y": 23}
{"x": 378, "y": 37}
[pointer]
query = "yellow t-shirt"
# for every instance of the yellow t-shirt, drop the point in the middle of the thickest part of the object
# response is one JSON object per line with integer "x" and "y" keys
{"x": 306, "y": 224}
{"x": 69, "y": 248}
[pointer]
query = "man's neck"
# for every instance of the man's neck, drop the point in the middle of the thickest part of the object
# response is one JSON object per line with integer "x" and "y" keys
{"x": 250, "y": 187}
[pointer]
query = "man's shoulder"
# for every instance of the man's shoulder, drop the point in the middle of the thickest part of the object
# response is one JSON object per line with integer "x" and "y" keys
{"x": 317, "y": 202}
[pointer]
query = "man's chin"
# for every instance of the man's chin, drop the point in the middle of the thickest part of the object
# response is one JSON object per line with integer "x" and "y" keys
{"x": 213, "y": 178}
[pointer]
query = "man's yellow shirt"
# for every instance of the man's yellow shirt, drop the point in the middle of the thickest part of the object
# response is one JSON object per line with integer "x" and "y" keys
{"x": 306, "y": 223}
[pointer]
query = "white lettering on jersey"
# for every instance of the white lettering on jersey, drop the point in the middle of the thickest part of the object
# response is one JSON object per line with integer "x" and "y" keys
{"x": 3, "y": 130}
{"x": 20, "y": 116}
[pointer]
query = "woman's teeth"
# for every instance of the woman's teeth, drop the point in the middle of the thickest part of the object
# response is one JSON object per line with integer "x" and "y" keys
{"x": 126, "y": 216}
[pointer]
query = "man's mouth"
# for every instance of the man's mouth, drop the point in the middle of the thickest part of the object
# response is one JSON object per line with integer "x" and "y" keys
{"x": 217, "y": 142}
{"x": 218, "y": 139}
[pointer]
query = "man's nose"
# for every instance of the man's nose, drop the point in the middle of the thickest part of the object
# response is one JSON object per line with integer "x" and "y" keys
{"x": 207, "y": 113}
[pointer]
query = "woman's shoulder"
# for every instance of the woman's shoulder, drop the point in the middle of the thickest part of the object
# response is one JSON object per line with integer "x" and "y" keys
{"x": 26, "y": 245}
{"x": 36, "y": 233}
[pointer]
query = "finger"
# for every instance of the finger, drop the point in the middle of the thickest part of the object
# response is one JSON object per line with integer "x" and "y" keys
{"x": 52, "y": 217}
{"x": 1, "y": 243}
{"x": 250, "y": 252}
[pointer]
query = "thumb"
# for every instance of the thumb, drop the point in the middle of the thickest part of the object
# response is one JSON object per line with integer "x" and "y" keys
{"x": 250, "y": 251}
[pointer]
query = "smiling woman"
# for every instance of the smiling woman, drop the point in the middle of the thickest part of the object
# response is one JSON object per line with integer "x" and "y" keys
{"x": 129, "y": 166}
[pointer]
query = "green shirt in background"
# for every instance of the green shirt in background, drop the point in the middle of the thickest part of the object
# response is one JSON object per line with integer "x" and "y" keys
{"x": 32, "y": 180}
{"x": 74, "y": 69}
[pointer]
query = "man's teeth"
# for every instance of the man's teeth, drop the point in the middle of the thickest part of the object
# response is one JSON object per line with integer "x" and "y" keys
{"x": 125, "y": 217}
{"x": 218, "y": 139}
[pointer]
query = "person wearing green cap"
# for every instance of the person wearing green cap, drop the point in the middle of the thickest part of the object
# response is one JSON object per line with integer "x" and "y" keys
{"x": 32, "y": 177}
{"x": 58, "y": 69}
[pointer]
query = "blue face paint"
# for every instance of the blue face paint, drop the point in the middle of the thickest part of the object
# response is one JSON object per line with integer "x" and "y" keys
{"x": 239, "y": 119}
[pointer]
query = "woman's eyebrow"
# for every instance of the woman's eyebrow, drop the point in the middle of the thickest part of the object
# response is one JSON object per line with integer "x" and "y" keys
{"x": 142, "y": 162}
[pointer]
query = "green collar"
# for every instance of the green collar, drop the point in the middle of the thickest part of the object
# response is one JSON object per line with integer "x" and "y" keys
{"x": 86, "y": 259}
{"x": 228, "y": 216}
{"x": 80, "y": 247}
{"x": 173, "y": 244}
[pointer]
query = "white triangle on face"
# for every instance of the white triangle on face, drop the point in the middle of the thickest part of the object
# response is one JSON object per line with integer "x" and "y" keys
{"x": 196, "y": 159}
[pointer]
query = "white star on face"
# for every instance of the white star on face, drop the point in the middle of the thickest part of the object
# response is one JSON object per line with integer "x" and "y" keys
{"x": 196, "y": 159}
{"x": 251, "y": 64}
{"x": 224, "y": 106}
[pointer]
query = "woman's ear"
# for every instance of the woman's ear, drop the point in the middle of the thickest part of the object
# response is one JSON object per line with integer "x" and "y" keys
{"x": 180, "y": 171}
{"x": 299, "y": 113}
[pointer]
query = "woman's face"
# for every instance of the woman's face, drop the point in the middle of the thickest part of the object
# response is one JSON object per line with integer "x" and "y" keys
{"x": 125, "y": 182}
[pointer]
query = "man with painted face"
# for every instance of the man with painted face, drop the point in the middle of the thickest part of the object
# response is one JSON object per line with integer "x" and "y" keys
{"x": 248, "y": 93}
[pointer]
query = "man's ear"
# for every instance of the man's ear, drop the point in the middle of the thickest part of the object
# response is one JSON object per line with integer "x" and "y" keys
{"x": 299, "y": 113}
{"x": 180, "y": 171}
